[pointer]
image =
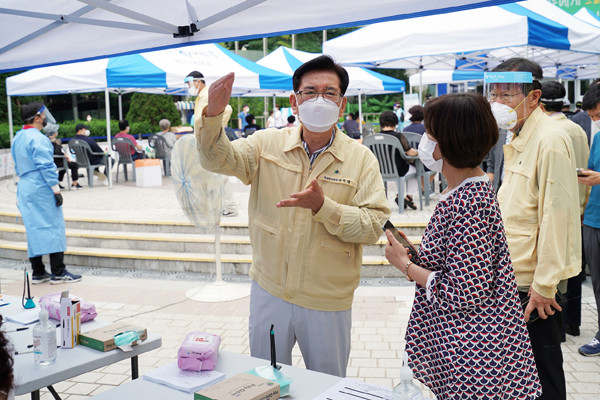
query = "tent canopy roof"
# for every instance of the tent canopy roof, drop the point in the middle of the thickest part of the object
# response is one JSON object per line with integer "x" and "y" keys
{"x": 41, "y": 33}
{"x": 480, "y": 38}
{"x": 155, "y": 72}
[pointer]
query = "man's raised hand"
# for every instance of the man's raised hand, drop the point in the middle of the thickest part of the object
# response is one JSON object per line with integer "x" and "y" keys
{"x": 219, "y": 94}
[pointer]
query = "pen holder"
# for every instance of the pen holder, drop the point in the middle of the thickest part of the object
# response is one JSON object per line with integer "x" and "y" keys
{"x": 29, "y": 303}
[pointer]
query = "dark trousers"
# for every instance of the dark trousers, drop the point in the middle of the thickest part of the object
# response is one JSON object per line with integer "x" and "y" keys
{"x": 591, "y": 239}
{"x": 74, "y": 172}
{"x": 57, "y": 266}
{"x": 544, "y": 335}
{"x": 138, "y": 156}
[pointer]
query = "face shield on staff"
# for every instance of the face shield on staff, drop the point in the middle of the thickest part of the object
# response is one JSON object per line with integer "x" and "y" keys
{"x": 507, "y": 93}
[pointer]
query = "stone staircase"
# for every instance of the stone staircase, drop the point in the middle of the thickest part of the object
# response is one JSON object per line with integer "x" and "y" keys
{"x": 168, "y": 246}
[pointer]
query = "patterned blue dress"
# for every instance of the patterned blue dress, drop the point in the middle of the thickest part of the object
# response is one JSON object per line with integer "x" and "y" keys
{"x": 468, "y": 340}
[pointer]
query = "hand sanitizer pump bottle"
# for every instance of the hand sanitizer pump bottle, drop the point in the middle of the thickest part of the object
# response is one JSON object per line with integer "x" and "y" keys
{"x": 44, "y": 339}
{"x": 406, "y": 390}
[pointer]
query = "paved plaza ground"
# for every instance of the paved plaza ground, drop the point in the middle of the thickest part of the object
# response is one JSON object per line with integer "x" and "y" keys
{"x": 157, "y": 301}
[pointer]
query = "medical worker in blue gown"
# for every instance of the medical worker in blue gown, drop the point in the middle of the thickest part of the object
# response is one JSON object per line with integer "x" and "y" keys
{"x": 39, "y": 198}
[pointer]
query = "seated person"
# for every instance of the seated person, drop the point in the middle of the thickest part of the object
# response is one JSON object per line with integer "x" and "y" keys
{"x": 51, "y": 131}
{"x": 251, "y": 120}
{"x": 82, "y": 132}
{"x": 137, "y": 153}
{"x": 388, "y": 120}
{"x": 351, "y": 127}
{"x": 291, "y": 121}
{"x": 416, "y": 119}
{"x": 169, "y": 136}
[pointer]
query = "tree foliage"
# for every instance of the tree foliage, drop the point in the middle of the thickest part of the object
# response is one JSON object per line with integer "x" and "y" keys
{"x": 151, "y": 108}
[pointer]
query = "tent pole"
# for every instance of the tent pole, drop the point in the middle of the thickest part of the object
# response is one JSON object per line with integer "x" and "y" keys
{"x": 421, "y": 87}
{"x": 10, "y": 132}
{"x": 120, "y": 107}
{"x": 109, "y": 152}
{"x": 360, "y": 117}
{"x": 218, "y": 253}
{"x": 577, "y": 88}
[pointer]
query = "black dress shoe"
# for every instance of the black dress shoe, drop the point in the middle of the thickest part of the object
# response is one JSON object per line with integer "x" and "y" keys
{"x": 572, "y": 330}
{"x": 61, "y": 186}
{"x": 408, "y": 202}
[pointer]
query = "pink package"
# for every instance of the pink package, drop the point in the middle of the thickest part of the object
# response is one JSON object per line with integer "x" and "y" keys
{"x": 199, "y": 352}
{"x": 52, "y": 305}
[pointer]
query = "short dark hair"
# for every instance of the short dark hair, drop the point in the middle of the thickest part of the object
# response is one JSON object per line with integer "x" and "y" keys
{"x": 464, "y": 127}
{"x": 591, "y": 98}
{"x": 553, "y": 90}
{"x": 416, "y": 113}
{"x": 525, "y": 65}
{"x": 388, "y": 118}
{"x": 321, "y": 63}
{"x": 291, "y": 119}
{"x": 30, "y": 110}
{"x": 249, "y": 118}
{"x": 123, "y": 124}
{"x": 6, "y": 361}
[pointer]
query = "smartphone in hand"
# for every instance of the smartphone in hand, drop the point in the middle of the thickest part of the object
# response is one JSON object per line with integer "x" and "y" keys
{"x": 580, "y": 171}
{"x": 534, "y": 316}
{"x": 401, "y": 237}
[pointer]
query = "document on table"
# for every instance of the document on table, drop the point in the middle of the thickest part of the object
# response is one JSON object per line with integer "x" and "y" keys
{"x": 352, "y": 389}
{"x": 187, "y": 381}
{"x": 26, "y": 317}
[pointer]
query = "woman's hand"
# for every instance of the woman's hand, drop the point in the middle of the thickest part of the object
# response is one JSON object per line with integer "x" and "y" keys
{"x": 395, "y": 253}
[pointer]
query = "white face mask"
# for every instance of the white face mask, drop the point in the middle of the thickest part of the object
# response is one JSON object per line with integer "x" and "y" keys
{"x": 506, "y": 117}
{"x": 426, "y": 149}
{"x": 193, "y": 91}
{"x": 87, "y": 132}
{"x": 596, "y": 125}
{"x": 319, "y": 115}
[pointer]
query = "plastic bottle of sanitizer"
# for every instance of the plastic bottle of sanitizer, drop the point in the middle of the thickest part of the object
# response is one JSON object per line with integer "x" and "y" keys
{"x": 44, "y": 339}
{"x": 406, "y": 390}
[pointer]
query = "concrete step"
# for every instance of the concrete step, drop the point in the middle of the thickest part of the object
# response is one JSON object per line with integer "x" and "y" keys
{"x": 228, "y": 227}
{"x": 169, "y": 242}
{"x": 234, "y": 264}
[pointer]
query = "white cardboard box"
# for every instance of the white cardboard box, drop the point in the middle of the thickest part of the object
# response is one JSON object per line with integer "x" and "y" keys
{"x": 148, "y": 172}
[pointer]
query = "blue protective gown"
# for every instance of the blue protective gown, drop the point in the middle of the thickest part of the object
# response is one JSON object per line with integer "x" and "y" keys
{"x": 44, "y": 222}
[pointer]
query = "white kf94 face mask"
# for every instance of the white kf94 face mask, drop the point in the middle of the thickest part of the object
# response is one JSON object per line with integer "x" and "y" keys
{"x": 426, "y": 149}
{"x": 318, "y": 115}
{"x": 506, "y": 117}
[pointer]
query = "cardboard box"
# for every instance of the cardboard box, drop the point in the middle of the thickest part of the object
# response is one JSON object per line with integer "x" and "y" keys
{"x": 240, "y": 387}
{"x": 148, "y": 172}
{"x": 103, "y": 339}
{"x": 70, "y": 320}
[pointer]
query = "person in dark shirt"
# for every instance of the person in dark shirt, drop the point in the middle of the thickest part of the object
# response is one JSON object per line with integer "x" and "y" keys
{"x": 388, "y": 120}
{"x": 416, "y": 119}
{"x": 351, "y": 127}
{"x": 252, "y": 125}
{"x": 82, "y": 132}
{"x": 52, "y": 133}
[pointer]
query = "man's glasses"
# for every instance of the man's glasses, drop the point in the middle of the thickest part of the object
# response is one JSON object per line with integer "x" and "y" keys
{"x": 312, "y": 95}
{"x": 504, "y": 97}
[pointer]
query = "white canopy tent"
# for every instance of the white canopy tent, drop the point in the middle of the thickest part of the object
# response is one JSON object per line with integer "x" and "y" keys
{"x": 482, "y": 38}
{"x": 154, "y": 72}
{"x": 362, "y": 80}
{"x": 39, "y": 32}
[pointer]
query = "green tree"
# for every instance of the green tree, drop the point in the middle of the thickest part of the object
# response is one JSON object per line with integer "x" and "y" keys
{"x": 151, "y": 108}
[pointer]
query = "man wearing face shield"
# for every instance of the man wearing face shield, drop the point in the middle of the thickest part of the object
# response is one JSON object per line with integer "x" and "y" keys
{"x": 38, "y": 196}
{"x": 316, "y": 197}
{"x": 197, "y": 87}
{"x": 539, "y": 202}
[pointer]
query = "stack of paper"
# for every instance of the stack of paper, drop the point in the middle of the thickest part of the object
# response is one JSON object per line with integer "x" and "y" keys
{"x": 187, "y": 381}
{"x": 26, "y": 317}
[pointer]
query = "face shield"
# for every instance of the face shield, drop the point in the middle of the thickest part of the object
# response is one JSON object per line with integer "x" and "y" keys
{"x": 191, "y": 85}
{"x": 506, "y": 91}
{"x": 50, "y": 129}
{"x": 49, "y": 117}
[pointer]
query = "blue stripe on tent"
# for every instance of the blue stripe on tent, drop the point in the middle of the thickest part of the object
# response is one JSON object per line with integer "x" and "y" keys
{"x": 134, "y": 71}
{"x": 292, "y": 61}
{"x": 542, "y": 31}
{"x": 389, "y": 83}
{"x": 267, "y": 78}
{"x": 467, "y": 75}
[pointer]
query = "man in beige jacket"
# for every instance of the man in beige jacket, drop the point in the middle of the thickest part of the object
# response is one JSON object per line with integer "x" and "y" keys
{"x": 316, "y": 197}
